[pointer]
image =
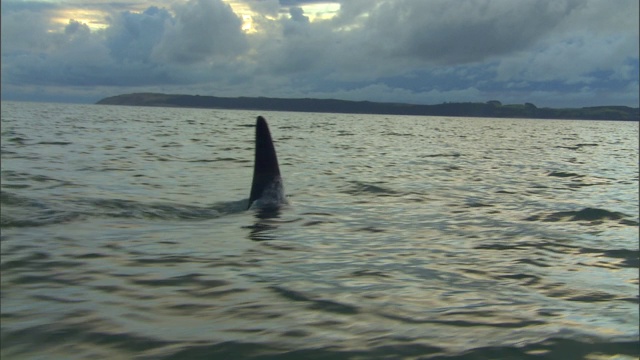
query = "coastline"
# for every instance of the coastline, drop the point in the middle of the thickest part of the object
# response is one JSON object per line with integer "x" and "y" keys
{"x": 492, "y": 108}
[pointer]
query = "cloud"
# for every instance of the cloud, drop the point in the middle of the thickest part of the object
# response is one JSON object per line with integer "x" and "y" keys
{"x": 201, "y": 30}
{"x": 26, "y": 27}
{"x": 465, "y": 32}
{"x": 583, "y": 52}
{"x": 131, "y": 37}
{"x": 579, "y": 53}
{"x": 151, "y": 47}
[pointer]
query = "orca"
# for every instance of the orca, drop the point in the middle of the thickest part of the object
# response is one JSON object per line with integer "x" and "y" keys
{"x": 267, "y": 188}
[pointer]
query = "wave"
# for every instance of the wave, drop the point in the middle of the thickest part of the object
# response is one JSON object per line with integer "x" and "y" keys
{"x": 127, "y": 344}
{"x": 21, "y": 211}
{"x": 361, "y": 188}
{"x": 594, "y": 215}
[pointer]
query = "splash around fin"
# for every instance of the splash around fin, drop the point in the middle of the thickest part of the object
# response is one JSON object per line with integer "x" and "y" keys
{"x": 267, "y": 188}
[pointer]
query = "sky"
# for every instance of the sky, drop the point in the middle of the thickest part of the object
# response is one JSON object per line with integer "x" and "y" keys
{"x": 552, "y": 53}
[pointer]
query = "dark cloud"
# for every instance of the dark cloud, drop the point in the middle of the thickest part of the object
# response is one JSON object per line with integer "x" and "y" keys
{"x": 463, "y": 31}
{"x": 24, "y": 26}
{"x": 137, "y": 49}
{"x": 133, "y": 36}
{"x": 298, "y": 23}
{"x": 541, "y": 51}
{"x": 75, "y": 28}
{"x": 202, "y": 29}
{"x": 35, "y": 6}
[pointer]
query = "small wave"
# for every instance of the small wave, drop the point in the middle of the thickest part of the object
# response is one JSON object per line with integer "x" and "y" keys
{"x": 555, "y": 348}
{"x": 594, "y": 296}
{"x": 244, "y": 350}
{"x": 184, "y": 280}
{"x": 25, "y": 180}
{"x": 609, "y": 258}
{"x": 594, "y": 215}
{"x": 393, "y": 133}
{"x": 58, "y": 299}
{"x": 373, "y": 273}
{"x": 565, "y": 292}
{"x": 18, "y": 140}
{"x": 524, "y": 279}
{"x": 230, "y": 159}
{"x": 316, "y": 304}
{"x": 564, "y": 174}
{"x": 26, "y": 261}
{"x": 54, "y": 143}
{"x": 19, "y": 211}
{"x": 575, "y": 147}
{"x": 133, "y": 209}
{"x": 371, "y": 229}
{"x": 359, "y": 188}
{"x": 575, "y": 181}
{"x": 624, "y": 257}
{"x": 46, "y": 337}
{"x": 477, "y": 205}
{"x": 316, "y": 222}
{"x": 441, "y": 155}
{"x": 464, "y": 323}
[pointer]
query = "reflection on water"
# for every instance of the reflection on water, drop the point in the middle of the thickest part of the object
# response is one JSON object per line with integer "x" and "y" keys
{"x": 265, "y": 223}
{"x": 125, "y": 234}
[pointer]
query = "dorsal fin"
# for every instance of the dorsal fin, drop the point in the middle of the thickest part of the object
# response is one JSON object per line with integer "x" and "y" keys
{"x": 266, "y": 172}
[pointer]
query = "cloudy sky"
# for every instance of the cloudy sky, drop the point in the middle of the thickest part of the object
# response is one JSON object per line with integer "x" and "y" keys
{"x": 556, "y": 53}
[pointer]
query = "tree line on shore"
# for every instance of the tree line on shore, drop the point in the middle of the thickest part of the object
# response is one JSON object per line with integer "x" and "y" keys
{"x": 493, "y": 108}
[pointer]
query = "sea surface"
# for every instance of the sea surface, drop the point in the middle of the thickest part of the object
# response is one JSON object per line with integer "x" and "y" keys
{"x": 125, "y": 235}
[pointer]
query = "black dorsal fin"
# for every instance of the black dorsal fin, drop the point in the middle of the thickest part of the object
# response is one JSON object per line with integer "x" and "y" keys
{"x": 265, "y": 169}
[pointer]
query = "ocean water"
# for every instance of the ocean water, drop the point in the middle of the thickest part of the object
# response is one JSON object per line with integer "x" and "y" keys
{"x": 125, "y": 235}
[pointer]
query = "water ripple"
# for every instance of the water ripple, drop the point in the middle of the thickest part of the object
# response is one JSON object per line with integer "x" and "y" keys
{"x": 125, "y": 234}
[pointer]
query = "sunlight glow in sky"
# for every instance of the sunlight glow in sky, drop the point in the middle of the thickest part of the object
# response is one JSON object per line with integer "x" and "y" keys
{"x": 94, "y": 19}
{"x": 314, "y": 11}
{"x": 558, "y": 53}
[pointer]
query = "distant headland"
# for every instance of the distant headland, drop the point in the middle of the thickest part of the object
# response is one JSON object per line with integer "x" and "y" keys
{"x": 492, "y": 108}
